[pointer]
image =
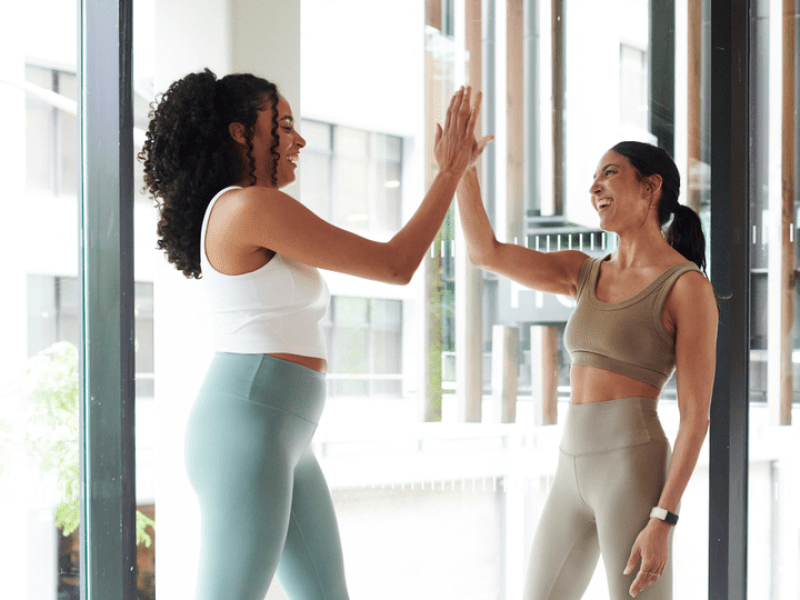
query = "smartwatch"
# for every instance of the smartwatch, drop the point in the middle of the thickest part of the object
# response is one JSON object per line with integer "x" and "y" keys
{"x": 664, "y": 515}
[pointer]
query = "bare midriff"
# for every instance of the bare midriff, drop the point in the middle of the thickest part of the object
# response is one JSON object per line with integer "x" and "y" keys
{"x": 318, "y": 364}
{"x": 590, "y": 384}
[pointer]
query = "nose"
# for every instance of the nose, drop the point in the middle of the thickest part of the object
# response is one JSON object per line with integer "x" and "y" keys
{"x": 595, "y": 187}
{"x": 299, "y": 141}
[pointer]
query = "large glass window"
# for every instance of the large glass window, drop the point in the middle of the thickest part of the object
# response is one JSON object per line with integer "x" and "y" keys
{"x": 447, "y": 506}
{"x": 352, "y": 177}
{"x": 39, "y": 303}
{"x": 774, "y": 469}
{"x": 364, "y": 346}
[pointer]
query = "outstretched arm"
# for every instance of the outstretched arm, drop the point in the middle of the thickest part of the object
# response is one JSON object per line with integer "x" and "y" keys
{"x": 268, "y": 218}
{"x": 555, "y": 272}
{"x": 693, "y": 309}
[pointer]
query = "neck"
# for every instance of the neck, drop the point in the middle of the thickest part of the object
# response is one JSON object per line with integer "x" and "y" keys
{"x": 643, "y": 247}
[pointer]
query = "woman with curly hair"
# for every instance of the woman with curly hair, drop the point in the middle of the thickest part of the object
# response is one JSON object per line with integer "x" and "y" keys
{"x": 643, "y": 312}
{"x": 216, "y": 155}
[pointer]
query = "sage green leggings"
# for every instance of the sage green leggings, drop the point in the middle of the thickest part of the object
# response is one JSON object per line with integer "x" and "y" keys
{"x": 612, "y": 465}
{"x": 265, "y": 506}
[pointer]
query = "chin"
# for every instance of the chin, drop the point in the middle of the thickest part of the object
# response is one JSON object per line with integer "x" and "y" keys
{"x": 282, "y": 183}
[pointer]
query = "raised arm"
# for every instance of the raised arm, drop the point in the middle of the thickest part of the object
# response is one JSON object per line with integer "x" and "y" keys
{"x": 555, "y": 272}
{"x": 692, "y": 308}
{"x": 268, "y": 218}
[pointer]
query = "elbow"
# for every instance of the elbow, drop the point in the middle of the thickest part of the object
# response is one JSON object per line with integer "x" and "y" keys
{"x": 696, "y": 424}
{"x": 401, "y": 277}
{"x": 400, "y": 271}
{"x": 482, "y": 256}
{"x": 478, "y": 259}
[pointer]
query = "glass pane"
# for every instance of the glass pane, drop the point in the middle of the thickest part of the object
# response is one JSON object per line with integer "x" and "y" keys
{"x": 39, "y": 301}
{"x": 351, "y": 192}
{"x": 315, "y": 178}
{"x": 148, "y": 419}
{"x": 387, "y": 195}
{"x": 68, "y": 136}
{"x": 464, "y": 497}
{"x": 774, "y": 473}
{"x": 317, "y": 135}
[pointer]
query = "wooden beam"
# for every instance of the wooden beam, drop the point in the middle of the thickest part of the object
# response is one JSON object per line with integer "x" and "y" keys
{"x": 505, "y": 370}
{"x": 469, "y": 280}
{"x": 694, "y": 106}
{"x": 783, "y": 411}
{"x": 557, "y": 25}
{"x": 544, "y": 374}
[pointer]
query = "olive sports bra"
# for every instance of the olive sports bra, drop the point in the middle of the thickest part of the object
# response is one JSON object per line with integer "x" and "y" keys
{"x": 625, "y": 337}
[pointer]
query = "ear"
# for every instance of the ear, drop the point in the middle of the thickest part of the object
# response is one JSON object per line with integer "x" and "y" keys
{"x": 654, "y": 183}
{"x": 238, "y": 132}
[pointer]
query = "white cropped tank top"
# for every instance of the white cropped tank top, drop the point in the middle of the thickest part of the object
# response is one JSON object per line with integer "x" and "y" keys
{"x": 277, "y": 308}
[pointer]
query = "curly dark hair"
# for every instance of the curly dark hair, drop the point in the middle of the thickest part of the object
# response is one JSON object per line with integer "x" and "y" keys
{"x": 189, "y": 155}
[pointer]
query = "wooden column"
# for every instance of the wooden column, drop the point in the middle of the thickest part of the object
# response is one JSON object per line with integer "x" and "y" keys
{"x": 505, "y": 352}
{"x": 694, "y": 105}
{"x": 469, "y": 280}
{"x": 544, "y": 374}
{"x": 781, "y": 408}
{"x": 515, "y": 132}
{"x": 435, "y": 91}
{"x": 559, "y": 131}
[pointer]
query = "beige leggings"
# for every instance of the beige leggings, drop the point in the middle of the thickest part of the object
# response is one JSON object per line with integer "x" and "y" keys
{"x": 612, "y": 465}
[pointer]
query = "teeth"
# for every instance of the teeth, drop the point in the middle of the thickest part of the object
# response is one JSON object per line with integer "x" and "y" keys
{"x": 603, "y": 203}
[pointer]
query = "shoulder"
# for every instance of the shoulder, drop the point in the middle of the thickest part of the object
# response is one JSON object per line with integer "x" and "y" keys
{"x": 692, "y": 295}
{"x": 254, "y": 201}
{"x": 575, "y": 261}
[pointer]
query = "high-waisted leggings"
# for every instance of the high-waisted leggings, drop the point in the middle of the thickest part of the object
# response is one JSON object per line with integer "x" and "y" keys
{"x": 265, "y": 506}
{"x": 613, "y": 461}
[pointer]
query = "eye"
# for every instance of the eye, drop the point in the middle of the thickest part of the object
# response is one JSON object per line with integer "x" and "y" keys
{"x": 608, "y": 172}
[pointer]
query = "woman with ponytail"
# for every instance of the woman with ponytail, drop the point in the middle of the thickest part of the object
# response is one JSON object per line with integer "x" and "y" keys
{"x": 216, "y": 155}
{"x": 642, "y": 312}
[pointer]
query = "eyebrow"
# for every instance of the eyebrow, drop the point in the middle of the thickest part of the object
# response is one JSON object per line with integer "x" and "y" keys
{"x": 287, "y": 118}
{"x": 604, "y": 168}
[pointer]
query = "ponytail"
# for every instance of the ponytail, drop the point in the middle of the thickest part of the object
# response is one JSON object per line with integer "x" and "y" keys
{"x": 685, "y": 234}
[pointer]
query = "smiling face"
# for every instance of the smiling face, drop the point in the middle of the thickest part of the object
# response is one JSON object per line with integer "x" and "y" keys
{"x": 619, "y": 196}
{"x": 288, "y": 149}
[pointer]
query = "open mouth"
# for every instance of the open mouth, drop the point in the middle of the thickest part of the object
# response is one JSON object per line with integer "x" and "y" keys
{"x": 604, "y": 203}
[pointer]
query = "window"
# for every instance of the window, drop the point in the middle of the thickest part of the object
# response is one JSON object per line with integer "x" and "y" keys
{"x": 54, "y": 316}
{"x": 51, "y": 141}
{"x": 364, "y": 346}
{"x": 633, "y": 109}
{"x": 352, "y": 177}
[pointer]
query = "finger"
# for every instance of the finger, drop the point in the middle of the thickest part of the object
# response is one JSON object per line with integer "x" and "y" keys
{"x": 482, "y": 143}
{"x": 644, "y": 579}
{"x": 634, "y": 558}
{"x": 449, "y": 116}
{"x": 456, "y": 109}
{"x": 474, "y": 113}
{"x": 464, "y": 109}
